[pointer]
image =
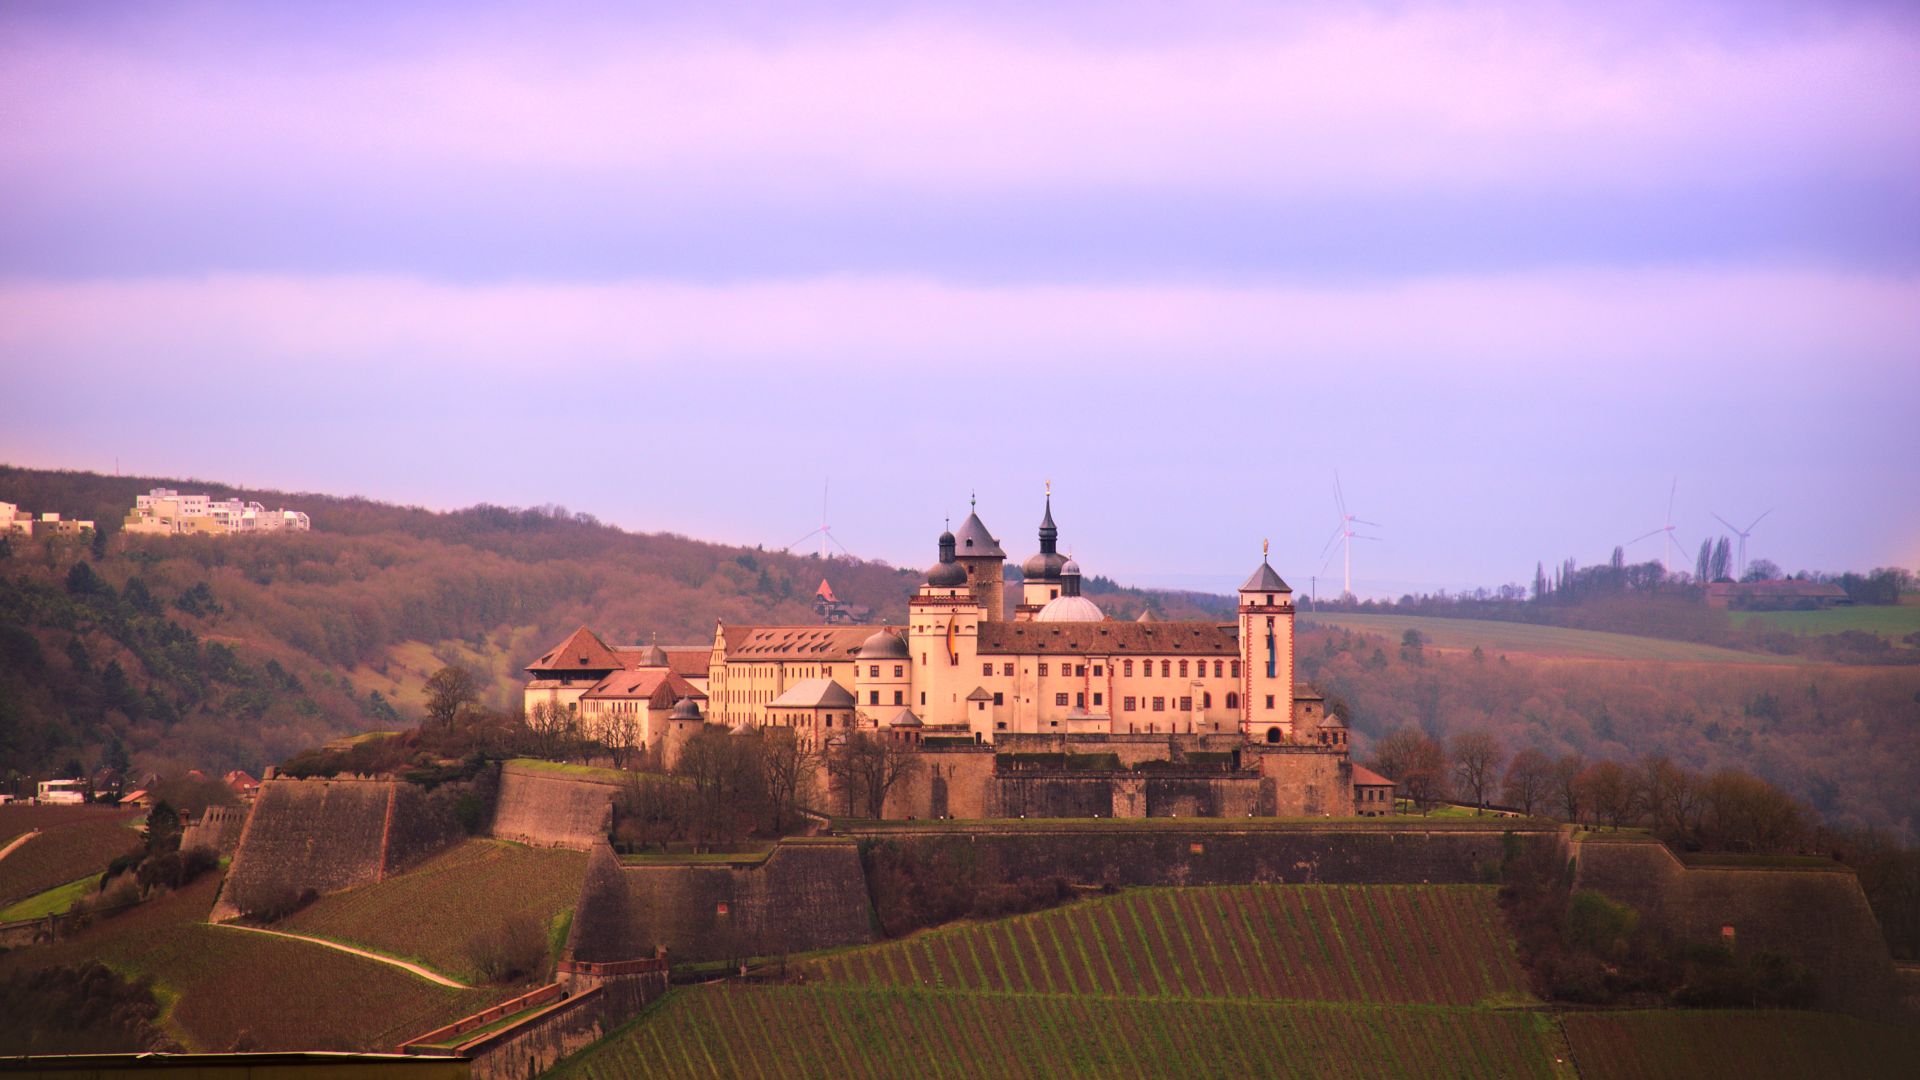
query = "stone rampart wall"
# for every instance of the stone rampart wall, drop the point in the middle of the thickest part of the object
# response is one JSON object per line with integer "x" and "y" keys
{"x": 803, "y": 896}
{"x": 551, "y": 809}
{"x": 1818, "y": 917}
{"x": 329, "y": 835}
{"x": 217, "y": 828}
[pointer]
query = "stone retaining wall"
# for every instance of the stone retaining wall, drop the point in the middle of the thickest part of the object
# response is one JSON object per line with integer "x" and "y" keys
{"x": 552, "y": 809}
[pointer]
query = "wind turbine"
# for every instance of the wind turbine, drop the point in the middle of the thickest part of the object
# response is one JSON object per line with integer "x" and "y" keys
{"x": 1666, "y": 561}
{"x": 1742, "y": 534}
{"x": 824, "y": 532}
{"x": 1345, "y": 535}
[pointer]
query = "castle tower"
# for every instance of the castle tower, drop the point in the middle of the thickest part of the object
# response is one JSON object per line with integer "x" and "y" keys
{"x": 943, "y": 640}
{"x": 1266, "y": 656}
{"x": 1041, "y": 571}
{"x": 979, "y": 554}
{"x": 882, "y": 676}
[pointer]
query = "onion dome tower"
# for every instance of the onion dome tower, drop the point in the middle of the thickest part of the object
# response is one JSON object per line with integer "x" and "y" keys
{"x": 1041, "y": 571}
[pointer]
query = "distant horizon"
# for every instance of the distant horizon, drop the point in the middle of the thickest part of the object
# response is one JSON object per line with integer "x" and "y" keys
{"x": 1510, "y": 270}
{"x": 1219, "y": 584}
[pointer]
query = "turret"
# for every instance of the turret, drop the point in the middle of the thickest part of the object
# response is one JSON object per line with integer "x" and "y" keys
{"x": 1041, "y": 571}
{"x": 1266, "y": 656}
{"x": 979, "y": 554}
{"x": 942, "y": 640}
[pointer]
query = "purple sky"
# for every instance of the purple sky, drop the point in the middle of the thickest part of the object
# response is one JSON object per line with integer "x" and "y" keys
{"x": 1510, "y": 269}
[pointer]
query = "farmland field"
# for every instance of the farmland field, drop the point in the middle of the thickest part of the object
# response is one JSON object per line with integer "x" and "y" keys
{"x": 1893, "y": 620}
{"x": 1738, "y": 1045}
{"x": 218, "y": 984}
{"x": 70, "y": 845}
{"x": 1378, "y": 943}
{"x": 428, "y": 913}
{"x": 1524, "y": 638}
{"x": 840, "y": 1031}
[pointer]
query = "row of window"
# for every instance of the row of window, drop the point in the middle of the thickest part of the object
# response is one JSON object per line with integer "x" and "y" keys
{"x": 1187, "y": 669}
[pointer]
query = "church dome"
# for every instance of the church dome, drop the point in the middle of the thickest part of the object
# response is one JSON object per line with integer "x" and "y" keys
{"x": 653, "y": 656}
{"x": 885, "y": 645}
{"x": 1070, "y": 609}
{"x": 947, "y": 575}
{"x": 686, "y": 709}
{"x": 1043, "y": 566}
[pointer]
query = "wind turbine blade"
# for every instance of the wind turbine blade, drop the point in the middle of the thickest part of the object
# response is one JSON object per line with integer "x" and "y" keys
{"x": 1364, "y": 521}
{"x": 1671, "y": 492}
{"x": 836, "y": 541}
{"x": 811, "y": 533}
{"x": 1635, "y": 540}
{"x": 1339, "y": 497}
{"x": 1357, "y": 536}
{"x": 1758, "y": 520}
{"x": 1723, "y": 521}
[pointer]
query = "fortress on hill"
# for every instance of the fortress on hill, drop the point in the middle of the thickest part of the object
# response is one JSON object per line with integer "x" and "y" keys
{"x": 1050, "y": 710}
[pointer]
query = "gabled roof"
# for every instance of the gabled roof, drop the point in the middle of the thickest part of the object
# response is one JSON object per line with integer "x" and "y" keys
{"x": 973, "y": 541}
{"x": 797, "y": 642}
{"x": 1365, "y": 777}
{"x": 904, "y": 718}
{"x": 814, "y": 694}
{"x": 825, "y": 591}
{"x": 656, "y": 686}
{"x": 1265, "y": 580}
{"x": 686, "y": 661}
{"x": 1108, "y": 638}
{"x": 582, "y": 651}
{"x": 979, "y": 694}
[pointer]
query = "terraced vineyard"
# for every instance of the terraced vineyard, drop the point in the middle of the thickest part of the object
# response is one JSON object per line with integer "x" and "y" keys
{"x": 1738, "y": 1045}
{"x": 841, "y": 1031}
{"x": 1377, "y": 943}
{"x": 428, "y": 913}
{"x": 218, "y": 984}
{"x": 73, "y": 842}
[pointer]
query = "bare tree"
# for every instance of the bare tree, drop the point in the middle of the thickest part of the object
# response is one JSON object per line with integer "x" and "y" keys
{"x": 725, "y": 774}
{"x": 618, "y": 731}
{"x": 1529, "y": 781}
{"x": 1609, "y": 790}
{"x": 788, "y": 767}
{"x": 553, "y": 725}
{"x": 1477, "y": 757}
{"x": 1416, "y": 762}
{"x": 865, "y": 766}
{"x": 450, "y": 691}
{"x": 1566, "y": 786}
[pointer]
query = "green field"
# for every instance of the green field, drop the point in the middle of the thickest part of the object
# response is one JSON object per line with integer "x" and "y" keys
{"x": 1891, "y": 621}
{"x": 54, "y": 901}
{"x": 219, "y": 985}
{"x": 838, "y": 1031}
{"x": 1737, "y": 1045}
{"x": 1385, "y": 944}
{"x": 70, "y": 845}
{"x": 1524, "y": 638}
{"x": 428, "y": 913}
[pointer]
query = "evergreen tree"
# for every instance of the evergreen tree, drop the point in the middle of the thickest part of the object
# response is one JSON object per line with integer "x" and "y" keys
{"x": 1703, "y": 563}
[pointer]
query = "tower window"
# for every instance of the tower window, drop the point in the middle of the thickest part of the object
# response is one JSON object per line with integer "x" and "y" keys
{"x": 1097, "y": 671}
{"x": 899, "y": 670}
{"x": 899, "y": 697}
{"x": 1006, "y": 669}
{"x": 1080, "y": 700}
{"x": 1059, "y": 699}
{"x": 873, "y": 672}
{"x": 1096, "y": 699}
{"x": 999, "y": 698}
{"x": 1269, "y": 701}
{"x": 1043, "y": 670}
{"x": 986, "y": 669}
{"x": 873, "y": 697}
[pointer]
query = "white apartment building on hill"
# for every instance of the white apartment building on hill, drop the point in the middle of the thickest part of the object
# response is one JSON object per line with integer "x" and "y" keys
{"x": 166, "y": 512}
{"x": 22, "y": 523}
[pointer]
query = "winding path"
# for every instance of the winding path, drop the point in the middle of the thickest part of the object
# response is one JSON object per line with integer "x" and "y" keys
{"x": 16, "y": 842}
{"x": 425, "y": 973}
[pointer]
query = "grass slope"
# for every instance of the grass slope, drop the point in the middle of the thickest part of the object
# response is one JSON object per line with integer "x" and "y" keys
{"x": 1524, "y": 638}
{"x": 428, "y": 913}
{"x": 1374, "y": 943}
{"x": 51, "y": 902}
{"x": 838, "y": 1031}
{"x": 1892, "y": 621}
{"x": 69, "y": 846}
{"x": 1737, "y": 1045}
{"x": 218, "y": 984}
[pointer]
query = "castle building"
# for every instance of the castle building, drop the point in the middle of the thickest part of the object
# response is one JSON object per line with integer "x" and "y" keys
{"x": 963, "y": 674}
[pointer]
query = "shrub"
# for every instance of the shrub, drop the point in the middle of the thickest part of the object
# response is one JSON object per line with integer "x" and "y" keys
{"x": 84, "y": 1009}
{"x": 1599, "y": 925}
{"x": 514, "y": 950}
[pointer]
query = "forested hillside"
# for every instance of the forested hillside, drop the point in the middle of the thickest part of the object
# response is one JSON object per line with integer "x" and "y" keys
{"x": 223, "y": 652}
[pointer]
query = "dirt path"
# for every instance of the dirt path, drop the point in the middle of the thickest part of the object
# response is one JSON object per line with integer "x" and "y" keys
{"x": 430, "y": 976}
{"x": 14, "y": 844}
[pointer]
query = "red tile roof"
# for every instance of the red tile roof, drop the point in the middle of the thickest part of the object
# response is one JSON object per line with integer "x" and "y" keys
{"x": 658, "y": 687}
{"x": 1109, "y": 638}
{"x": 582, "y": 651}
{"x": 797, "y": 642}
{"x": 1365, "y": 777}
{"x": 686, "y": 661}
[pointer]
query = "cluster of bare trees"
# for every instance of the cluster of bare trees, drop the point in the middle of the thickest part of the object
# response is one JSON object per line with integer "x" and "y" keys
{"x": 1726, "y": 810}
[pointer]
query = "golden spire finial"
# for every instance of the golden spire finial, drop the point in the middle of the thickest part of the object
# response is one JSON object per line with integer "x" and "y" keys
{"x": 1263, "y": 549}
{"x": 1049, "y": 489}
